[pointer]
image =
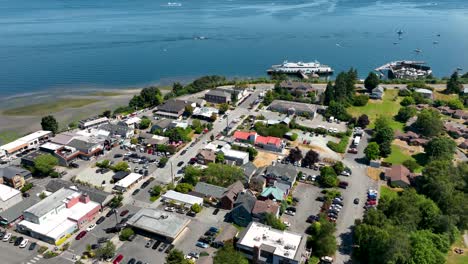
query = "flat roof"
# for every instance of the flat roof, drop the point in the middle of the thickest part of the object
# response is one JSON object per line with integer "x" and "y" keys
{"x": 286, "y": 244}
{"x": 182, "y": 197}
{"x": 51, "y": 146}
{"x": 159, "y": 222}
{"x": 235, "y": 153}
{"x": 51, "y": 202}
{"x": 24, "y": 140}
{"x": 6, "y": 192}
{"x": 129, "y": 180}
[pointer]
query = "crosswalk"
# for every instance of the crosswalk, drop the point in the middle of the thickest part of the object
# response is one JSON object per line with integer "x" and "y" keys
{"x": 35, "y": 259}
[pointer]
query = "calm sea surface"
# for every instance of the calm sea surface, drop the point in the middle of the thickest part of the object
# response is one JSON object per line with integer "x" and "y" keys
{"x": 79, "y": 44}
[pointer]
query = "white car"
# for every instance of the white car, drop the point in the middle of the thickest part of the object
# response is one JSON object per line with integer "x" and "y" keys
{"x": 346, "y": 173}
{"x": 326, "y": 259}
{"x": 287, "y": 224}
{"x": 290, "y": 212}
{"x": 91, "y": 227}
{"x": 24, "y": 243}
{"x": 170, "y": 209}
{"x": 7, "y": 237}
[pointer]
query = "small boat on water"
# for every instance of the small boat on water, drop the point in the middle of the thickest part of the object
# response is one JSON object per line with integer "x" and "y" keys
{"x": 173, "y": 4}
{"x": 418, "y": 50}
{"x": 435, "y": 42}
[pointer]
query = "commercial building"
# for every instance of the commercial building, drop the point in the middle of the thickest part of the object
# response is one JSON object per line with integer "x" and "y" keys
{"x": 204, "y": 113}
{"x": 14, "y": 176}
{"x": 292, "y": 108}
{"x": 14, "y": 214}
{"x": 181, "y": 198}
{"x": 127, "y": 182}
{"x": 264, "y": 244}
{"x": 118, "y": 130}
{"x": 172, "y": 108}
{"x": 29, "y": 142}
{"x": 158, "y": 224}
{"x": 8, "y": 197}
{"x": 92, "y": 122}
{"x": 98, "y": 196}
{"x": 218, "y": 96}
{"x": 267, "y": 143}
{"x": 57, "y": 216}
{"x": 239, "y": 157}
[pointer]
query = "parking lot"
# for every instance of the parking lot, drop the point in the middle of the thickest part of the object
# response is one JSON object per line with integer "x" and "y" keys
{"x": 319, "y": 121}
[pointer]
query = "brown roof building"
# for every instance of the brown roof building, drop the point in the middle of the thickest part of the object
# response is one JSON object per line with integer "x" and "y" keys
{"x": 398, "y": 175}
{"x": 261, "y": 208}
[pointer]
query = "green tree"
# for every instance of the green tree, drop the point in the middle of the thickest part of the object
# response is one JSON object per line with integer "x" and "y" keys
{"x": 176, "y": 256}
{"x": 329, "y": 94}
{"x": 222, "y": 174}
{"x": 188, "y": 110}
{"x": 163, "y": 161}
{"x": 103, "y": 164}
{"x": 322, "y": 238}
{"x": 424, "y": 250}
{"x": 371, "y": 81}
{"x": 454, "y": 86}
{"x": 223, "y": 108}
{"x": 196, "y": 208}
{"x": 196, "y": 124}
{"x": 183, "y": 187}
{"x": 338, "y": 111}
{"x": 429, "y": 123}
{"x": 126, "y": 233}
{"x": 105, "y": 252}
{"x": 107, "y": 113}
{"x": 372, "y": 151}
{"x": 405, "y": 113}
{"x": 134, "y": 141}
{"x": 295, "y": 154}
{"x": 360, "y": 100}
{"x": 220, "y": 158}
{"x": 455, "y": 104}
{"x": 144, "y": 123}
{"x": 273, "y": 221}
{"x": 49, "y": 123}
{"x": 383, "y": 135}
{"x": 157, "y": 190}
{"x": 192, "y": 175}
{"x": 339, "y": 167}
{"x": 120, "y": 166}
{"x": 116, "y": 201}
{"x": 310, "y": 158}
{"x": 328, "y": 177}
{"x": 440, "y": 148}
{"x": 363, "y": 121}
{"x": 408, "y": 100}
{"x": 44, "y": 164}
{"x": 213, "y": 117}
{"x": 228, "y": 255}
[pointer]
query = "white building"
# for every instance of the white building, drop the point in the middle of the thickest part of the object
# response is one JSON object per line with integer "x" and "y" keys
{"x": 9, "y": 197}
{"x": 93, "y": 122}
{"x": 182, "y": 198}
{"x": 57, "y": 216}
{"x": 31, "y": 141}
{"x": 127, "y": 182}
{"x": 240, "y": 157}
{"x": 268, "y": 245}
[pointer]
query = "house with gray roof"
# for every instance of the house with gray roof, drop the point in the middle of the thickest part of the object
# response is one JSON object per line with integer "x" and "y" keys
{"x": 241, "y": 214}
{"x": 281, "y": 173}
{"x": 119, "y": 129}
{"x": 292, "y": 108}
{"x": 173, "y": 108}
{"x": 14, "y": 176}
{"x": 209, "y": 191}
{"x": 218, "y": 96}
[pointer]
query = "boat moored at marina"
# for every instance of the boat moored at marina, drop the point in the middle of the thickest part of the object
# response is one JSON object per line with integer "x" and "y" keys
{"x": 302, "y": 68}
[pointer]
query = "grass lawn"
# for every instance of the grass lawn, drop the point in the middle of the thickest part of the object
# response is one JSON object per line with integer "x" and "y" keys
{"x": 8, "y": 136}
{"x": 49, "y": 107}
{"x": 454, "y": 258}
{"x": 397, "y": 156}
{"x": 388, "y": 106}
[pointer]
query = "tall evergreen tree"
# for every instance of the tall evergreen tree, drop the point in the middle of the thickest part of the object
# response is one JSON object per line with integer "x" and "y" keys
{"x": 454, "y": 85}
{"x": 329, "y": 94}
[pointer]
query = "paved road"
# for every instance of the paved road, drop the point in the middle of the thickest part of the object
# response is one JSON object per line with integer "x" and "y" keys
{"x": 359, "y": 182}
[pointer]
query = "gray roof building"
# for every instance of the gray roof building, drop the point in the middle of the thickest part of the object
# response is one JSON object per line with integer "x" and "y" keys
{"x": 11, "y": 171}
{"x": 293, "y": 107}
{"x": 50, "y": 203}
{"x": 95, "y": 195}
{"x": 117, "y": 129}
{"x": 158, "y": 223}
{"x": 14, "y": 212}
{"x": 208, "y": 190}
{"x": 282, "y": 173}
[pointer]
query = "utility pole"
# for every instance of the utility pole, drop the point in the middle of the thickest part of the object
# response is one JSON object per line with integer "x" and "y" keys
{"x": 172, "y": 172}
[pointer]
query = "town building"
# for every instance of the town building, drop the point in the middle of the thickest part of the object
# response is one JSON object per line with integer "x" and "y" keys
{"x": 377, "y": 93}
{"x": 118, "y": 130}
{"x": 268, "y": 143}
{"x": 300, "y": 88}
{"x": 157, "y": 224}
{"x": 98, "y": 196}
{"x": 398, "y": 175}
{"x": 238, "y": 157}
{"x": 206, "y": 156}
{"x": 236, "y": 92}
{"x": 14, "y": 176}
{"x": 205, "y": 113}
{"x": 93, "y": 122}
{"x": 222, "y": 197}
{"x": 263, "y": 244}
{"x": 280, "y": 173}
{"x": 57, "y": 216}
{"x": 273, "y": 193}
{"x": 294, "y": 108}
{"x": 241, "y": 214}
{"x": 152, "y": 140}
{"x": 9, "y": 197}
{"x": 426, "y": 93}
{"x": 26, "y": 143}
{"x": 262, "y": 208}
{"x": 14, "y": 214}
{"x": 218, "y": 96}
{"x": 126, "y": 183}
{"x": 172, "y": 109}
{"x": 181, "y": 199}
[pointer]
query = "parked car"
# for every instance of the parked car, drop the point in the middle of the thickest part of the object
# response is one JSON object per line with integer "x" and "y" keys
{"x": 111, "y": 212}
{"x": 191, "y": 213}
{"x": 162, "y": 247}
{"x": 356, "y": 201}
{"x": 74, "y": 165}
{"x": 145, "y": 184}
{"x": 214, "y": 229}
{"x": 18, "y": 241}
{"x": 91, "y": 227}
{"x": 202, "y": 245}
{"x": 118, "y": 259}
{"x": 100, "y": 220}
{"x": 32, "y": 246}
{"x": 103, "y": 239}
{"x": 118, "y": 156}
{"x": 95, "y": 246}
{"x": 180, "y": 163}
{"x": 135, "y": 192}
{"x": 170, "y": 209}
{"x": 156, "y": 244}
{"x": 149, "y": 243}
{"x": 131, "y": 261}
{"x": 6, "y": 237}
{"x": 169, "y": 248}
{"x": 312, "y": 218}
{"x": 343, "y": 184}
{"x": 81, "y": 235}
{"x": 124, "y": 212}
{"x": 132, "y": 237}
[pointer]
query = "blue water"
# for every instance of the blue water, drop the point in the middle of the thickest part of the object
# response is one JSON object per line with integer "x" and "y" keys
{"x": 54, "y": 44}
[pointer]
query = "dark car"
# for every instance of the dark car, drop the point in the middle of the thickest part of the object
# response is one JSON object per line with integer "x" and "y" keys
{"x": 321, "y": 199}
{"x": 135, "y": 192}
{"x": 183, "y": 152}
{"x": 216, "y": 211}
{"x": 356, "y": 201}
{"x": 139, "y": 262}
{"x": 18, "y": 241}
{"x": 81, "y": 235}
{"x": 74, "y": 165}
{"x": 218, "y": 244}
{"x": 26, "y": 194}
{"x": 145, "y": 184}
{"x": 156, "y": 244}
{"x": 146, "y": 173}
{"x": 169, "y": 248}
{"x": 162, "y": 247}
{"x": 210, "y": 233}
{"x": 111, "y": 212}
{"x": 124, "y": 220}
{"x": 131, "y": 261}
{"x": 32, "y": 246}
{"x": 103, "y": 239}
{"x": 124, "y": 212}
{"x": 95, "y": 246}
{"x": 132, "y": 237}
{"x": 149, "y": 243}
{"x": 180, "y": 163}
{"x": 100, "y": 220}
{"x": 191, "y": 213}
{"x": 312, "y": 218}
{"x": 118, "y": 156}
